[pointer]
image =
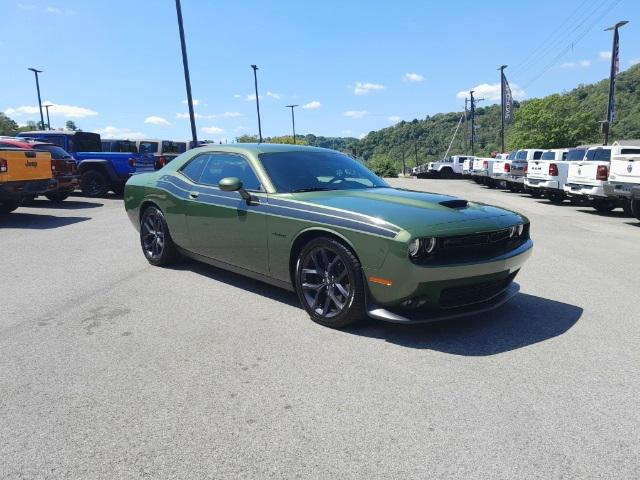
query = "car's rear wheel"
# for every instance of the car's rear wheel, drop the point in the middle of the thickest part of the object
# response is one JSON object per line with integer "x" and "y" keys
{"x": 8, "y": 206}
{"x": 635, "y": 208}
{"x": 556, "y": 198}
{"x": 626, "y": 207}
{"x": 94, "y": 183}
{"x": 535, "y": 193}
{"x": 603, "y": 205}
{"x": 155, "y": 239}
{"x": 57, "y": 197}
{"x": 329, "y": 282}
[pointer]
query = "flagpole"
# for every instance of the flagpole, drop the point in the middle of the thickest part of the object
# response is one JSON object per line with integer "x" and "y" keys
{"x": 612, "y": 78}
{"x": 502, "y": 67}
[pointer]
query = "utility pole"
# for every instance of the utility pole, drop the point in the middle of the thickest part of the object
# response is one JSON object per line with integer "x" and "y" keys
{"x": 415, "y": 150}
{"x": 255, "y": 81}
{"x": 293, "y": 121}
{"x": 36, "y": 72}
{"x": 187, "y": 80}
{"x": 502, "y": 67}
{"x": 404, "y": 165}
{"x": 48, "y": 121}
{"x": 473, "y": 123}
{"x": 613, "y": 72}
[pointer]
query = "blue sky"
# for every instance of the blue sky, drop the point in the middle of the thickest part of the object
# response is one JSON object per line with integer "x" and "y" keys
{"x": 115, "y": 67}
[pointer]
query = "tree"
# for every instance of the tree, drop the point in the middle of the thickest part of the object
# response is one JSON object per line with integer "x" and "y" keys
{"x": 383, "y": 166}
{"x": 71, "y": 125}
{"x": 7, "y": 125}
{"x": 555, "y": 121}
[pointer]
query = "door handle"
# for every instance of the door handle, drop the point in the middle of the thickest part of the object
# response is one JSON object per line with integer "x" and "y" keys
{"x": 194, "y": 194}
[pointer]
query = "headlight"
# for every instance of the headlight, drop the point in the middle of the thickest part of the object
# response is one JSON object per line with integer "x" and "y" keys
{"x": 422, "y": 246}
{"x": 516, "y": 230}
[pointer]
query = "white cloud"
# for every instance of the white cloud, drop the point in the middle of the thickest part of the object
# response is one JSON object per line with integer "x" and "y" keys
{"x": 394, "y": 118}
{"x": 605, "y": 55}
{"x": 275, "y": 96}
{"x": 195, "y": 101}
{"x": 251, "y": 97}
{"x": 185, "y": 115}
{"x": 355, "y": 113}
{"x": 362, "y": 135}
{"x": 634, "y": 61}
{"x": 56, "y": 110}
{"x": 312, "y": 105}
{"x": 155, "y": 120}
{"x": 413, "y": 77}
{"x": 115, "y": 132}
{"x": 55, "y": 10}
{"x": 212, "y": 130}
{"x": 491, "y": 92}
{"x": 579, "y": 64}
{"x": 365, "y": 88}
{"x": 237, "y": 95}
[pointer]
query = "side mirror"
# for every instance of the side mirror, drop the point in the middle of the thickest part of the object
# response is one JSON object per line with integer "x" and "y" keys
{"x": 234, "y": 184}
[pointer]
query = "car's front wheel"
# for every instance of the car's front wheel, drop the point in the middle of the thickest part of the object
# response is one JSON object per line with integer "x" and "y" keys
{"x": 155, "y": 239}
{"x": 329, "y": 282}
{"x": 556, "y": 198}
{"x": 603, "y": 205}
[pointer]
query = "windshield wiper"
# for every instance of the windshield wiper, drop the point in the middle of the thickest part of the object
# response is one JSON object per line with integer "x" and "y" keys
{"x": 312, "y": 189}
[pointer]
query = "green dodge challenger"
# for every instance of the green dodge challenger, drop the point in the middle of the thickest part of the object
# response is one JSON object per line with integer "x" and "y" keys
{"x": 319, "y": 223}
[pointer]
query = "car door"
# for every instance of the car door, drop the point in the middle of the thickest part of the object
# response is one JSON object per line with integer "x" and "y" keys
{"x": 221, "y": 225}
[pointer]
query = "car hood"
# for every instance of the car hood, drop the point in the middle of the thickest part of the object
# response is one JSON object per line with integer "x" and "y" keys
{"x": 416, "y": 212}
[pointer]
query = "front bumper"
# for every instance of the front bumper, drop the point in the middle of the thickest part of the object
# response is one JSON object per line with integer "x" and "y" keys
{"x": 585, "y": 190}
{"x": 31, "y": 187}
{"x": 542, "y": 184}
{"x": 619, "y": 189}
{"x": 427, "y": 316}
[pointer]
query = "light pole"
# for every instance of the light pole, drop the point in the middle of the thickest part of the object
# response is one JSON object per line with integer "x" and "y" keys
{"x": 255, "y": 82}
{"x": 293, "y": 121}
{"x": 36, "y": 72}
{"x": 612, "y": 79}
{"x": 48, "y": 121}
{"x": 187, "y": 80}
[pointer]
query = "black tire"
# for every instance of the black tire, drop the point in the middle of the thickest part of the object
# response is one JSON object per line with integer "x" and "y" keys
{"x": 155, "y": 239}
{"x": 446, "y": 173}
{"x": 603, "y": 205}
{"x": 118, "y": 190}
{"x": 57, "y": 197}
{"x": 8, "y": 206}
{"x": 335, "y": 270}
{"x": 556, "y": 198}
{"x": 626, "y": 207}
{"x": 635, "y": 208}
{"x": 94, "y": 183}
{"x": 535, "y": 193}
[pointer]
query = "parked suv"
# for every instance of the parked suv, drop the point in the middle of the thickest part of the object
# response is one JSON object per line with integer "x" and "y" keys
{"x": 100, "y": 171}
{"x": 624, "y": 173}
{"x": 23, "y": 173}
{"x": 63, "y": 166}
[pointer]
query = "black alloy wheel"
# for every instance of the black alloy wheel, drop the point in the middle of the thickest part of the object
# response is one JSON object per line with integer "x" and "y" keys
{"x": 330, "y": 283}
{"x": 94, "y": 184}
{"x": 155, "y": 239}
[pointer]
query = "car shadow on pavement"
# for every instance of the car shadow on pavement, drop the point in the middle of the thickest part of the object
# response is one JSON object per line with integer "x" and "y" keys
{"x": 65, "y": 205}
{"x": 36, "y": 221}
{"x": 523, "y": 321}
{"x": 613, "y": 214}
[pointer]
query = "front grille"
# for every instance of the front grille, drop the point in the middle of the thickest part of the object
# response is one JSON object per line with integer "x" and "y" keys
{"x": 468, "y": 294}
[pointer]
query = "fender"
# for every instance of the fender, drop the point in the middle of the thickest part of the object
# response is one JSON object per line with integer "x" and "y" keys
{"x": 94, "y": 163}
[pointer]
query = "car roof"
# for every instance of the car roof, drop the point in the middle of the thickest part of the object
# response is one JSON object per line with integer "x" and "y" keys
{"x": 257, "y": 148}
{"x": 24, "y": 143}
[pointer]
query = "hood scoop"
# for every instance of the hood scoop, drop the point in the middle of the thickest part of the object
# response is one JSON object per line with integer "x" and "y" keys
{"x": 456, "y": 203}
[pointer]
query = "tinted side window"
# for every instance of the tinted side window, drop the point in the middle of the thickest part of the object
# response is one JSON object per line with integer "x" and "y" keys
{"x": 224, "y": 165}
{"x": 630, "y": 151}
{"x": 537, "y": 155}
{"x": 193, "y": 169}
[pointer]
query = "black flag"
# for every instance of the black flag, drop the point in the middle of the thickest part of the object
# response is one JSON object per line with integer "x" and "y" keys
{"x": 507, "y": 98}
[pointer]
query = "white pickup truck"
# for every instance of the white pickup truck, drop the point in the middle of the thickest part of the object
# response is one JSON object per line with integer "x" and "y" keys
{"x": 449, "y": 167}
{"x": 548, "y": 175}
{"x": 518, "y": 167}
{"x": 587, "y": 177}
{"x": 467, "y": 166}
{"x": 624, "y": 175}
{"x": 479, "y": 169}
{"x": 500, "y": 168}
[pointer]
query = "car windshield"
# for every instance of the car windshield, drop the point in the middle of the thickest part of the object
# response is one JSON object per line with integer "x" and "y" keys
{"x": 576, "y": 154}
{"x": 598, "y": 154}
{"x": 305, "y": 171}
{"x": 548, "y": 156}
{"x": 56, "y": 152}
{"x": 512, "y": 156}
{"x": 521, "y": 155}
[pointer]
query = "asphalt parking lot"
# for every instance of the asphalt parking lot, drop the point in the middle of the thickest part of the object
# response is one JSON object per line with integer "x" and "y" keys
{"x": 111, "y": 368}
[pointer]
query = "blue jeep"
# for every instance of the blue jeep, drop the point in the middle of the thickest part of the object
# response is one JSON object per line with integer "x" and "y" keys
{"x": 100, "y": 171}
